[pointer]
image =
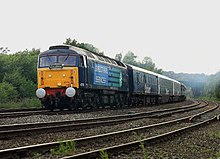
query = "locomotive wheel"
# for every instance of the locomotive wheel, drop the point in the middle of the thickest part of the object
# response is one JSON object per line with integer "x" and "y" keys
{"x": 51, "y": 107}
{"x": 94, "y": 101}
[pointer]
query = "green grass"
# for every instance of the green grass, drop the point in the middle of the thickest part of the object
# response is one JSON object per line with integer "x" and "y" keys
{"x": 24, "y": 103}
{"x": 104, "y": 154}
{"x": 36, "y": 155}
{"x": 209, "y": 99}
{"x": 216, "y": 156}
{"x": 144, "y": 151}
{"x": 215, "y": 135}
{"x": 65, "y": 148}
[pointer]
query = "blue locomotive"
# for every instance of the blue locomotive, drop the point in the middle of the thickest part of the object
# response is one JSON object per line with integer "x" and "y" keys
{"x": 71, "y": 77}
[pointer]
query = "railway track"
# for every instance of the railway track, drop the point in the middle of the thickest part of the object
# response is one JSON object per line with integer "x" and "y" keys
{"x": 9, "y": 131}
{"x": 20, "y": 110}
{"x": 135, "y": 144}
{"x": 82, "y": 142}
{"x": 15, "y": 113}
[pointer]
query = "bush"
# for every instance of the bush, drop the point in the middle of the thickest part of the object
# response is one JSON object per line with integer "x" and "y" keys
{"x": 7, "y": 92}
{"x": 26, "y": 88}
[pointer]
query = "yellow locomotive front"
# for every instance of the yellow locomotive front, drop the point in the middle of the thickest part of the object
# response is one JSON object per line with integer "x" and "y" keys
{"x": 58, "y": 78}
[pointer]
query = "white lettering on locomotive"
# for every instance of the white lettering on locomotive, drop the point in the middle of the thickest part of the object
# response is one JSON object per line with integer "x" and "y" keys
{"x": 101, "y": 69}
{"x": 100, "y": 79}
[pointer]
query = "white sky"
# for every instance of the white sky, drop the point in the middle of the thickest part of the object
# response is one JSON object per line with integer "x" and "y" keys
{"x": 179, "y": 35}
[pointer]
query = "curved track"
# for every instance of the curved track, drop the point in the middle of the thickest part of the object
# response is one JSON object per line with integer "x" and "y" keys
{"x": 112, "y": 149}
{"x": 15, "y": 113}
{"x": 9, "y": 131}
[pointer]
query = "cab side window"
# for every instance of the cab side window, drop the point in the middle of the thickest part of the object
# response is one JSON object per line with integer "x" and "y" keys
{"x": 81, "y": 61}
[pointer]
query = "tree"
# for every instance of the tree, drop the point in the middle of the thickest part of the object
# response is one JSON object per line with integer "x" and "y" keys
{"x": 73, "y": 42}
{"x": 147, "y": 63}
{"x": 24, "y": 86}
{"x": 4, "y": 50}
{"x": 118, "y": 56}
{"x": 85, "y": 46}
{"x": 19, "y": 70}
{"x": 130, "y": 58}
{"x": 7, "y": 92}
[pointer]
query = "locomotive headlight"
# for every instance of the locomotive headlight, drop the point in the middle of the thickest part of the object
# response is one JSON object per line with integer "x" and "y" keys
{"x": 70, "y": 92}
{"x": 40, "y": 92}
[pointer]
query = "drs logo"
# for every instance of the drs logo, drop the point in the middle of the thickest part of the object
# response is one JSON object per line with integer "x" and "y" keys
{"x": 107, "y": 76}
{"x": 101, "y": 75}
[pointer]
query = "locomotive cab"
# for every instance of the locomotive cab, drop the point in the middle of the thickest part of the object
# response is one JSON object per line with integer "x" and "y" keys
{"x": 58, "y": 76}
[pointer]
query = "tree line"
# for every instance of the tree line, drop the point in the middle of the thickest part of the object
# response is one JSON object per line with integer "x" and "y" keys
{"x": 18, "y": 72}
{"x": 18, "y": 76}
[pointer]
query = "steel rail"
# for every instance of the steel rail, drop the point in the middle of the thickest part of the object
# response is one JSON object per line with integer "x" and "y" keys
{"x": 45, "y": 147}
{"x": 22, "y": 126}
{"x": 148, "y": 141}
{"x": 9, "y": 131}
{"x": 21, "y": 114}
{"x": 199, "y": 114}
{"x": 9, "y": 113}
{"x": 2, "y": 110}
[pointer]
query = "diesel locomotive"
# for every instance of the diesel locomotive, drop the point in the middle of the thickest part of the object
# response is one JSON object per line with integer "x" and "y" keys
{"x": 71, "y": 77}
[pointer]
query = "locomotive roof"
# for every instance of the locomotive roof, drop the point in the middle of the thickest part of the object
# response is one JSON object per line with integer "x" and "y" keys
{"x": 152, "y": 73}
{"x": 77, "y": 50}
{"x": 60, "y": 49}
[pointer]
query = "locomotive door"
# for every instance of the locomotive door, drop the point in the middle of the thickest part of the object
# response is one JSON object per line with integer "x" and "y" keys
{"x": 83, "y": 74}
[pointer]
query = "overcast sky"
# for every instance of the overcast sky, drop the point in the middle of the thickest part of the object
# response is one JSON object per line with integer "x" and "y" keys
{"x": 180, "y": 36}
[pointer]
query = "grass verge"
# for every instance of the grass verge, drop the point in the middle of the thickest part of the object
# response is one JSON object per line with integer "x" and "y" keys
{"x": 24, "y": 103}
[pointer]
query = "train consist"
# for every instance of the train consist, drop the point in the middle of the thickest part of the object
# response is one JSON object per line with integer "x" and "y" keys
{"x": 71, "y": 77}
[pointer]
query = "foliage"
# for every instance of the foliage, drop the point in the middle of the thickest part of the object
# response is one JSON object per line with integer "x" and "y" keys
{"x": 189, "y": 92}
{"x": 37, "y": 155}
{"x": 212, "y": 87}
{"x": 85, "y": 46}
{"x": 130, "y": 58}
{"x": 23, "y": 103}
{"x": 4, "y": 50}
{"x": 146, "y": 63}
{"x": 65, "y": 148}
{"x": 18, "y": 76}
{"x": 25, "y": 87}
{"x": 103, "y": 154}
{"x": 145, "y": 154}
{"x": 118, "y": 56}
{"x": 7, "y": 92}
{"x": 217, "y": 156}
{"x": 195, "y": 82}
